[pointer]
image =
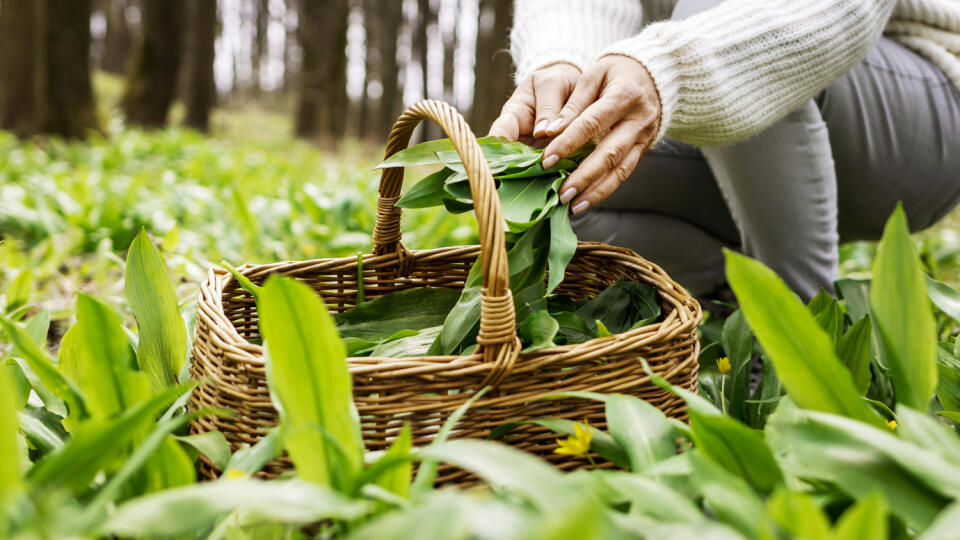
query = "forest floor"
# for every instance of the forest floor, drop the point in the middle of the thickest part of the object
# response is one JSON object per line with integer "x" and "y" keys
{"x": 250, "y": 192}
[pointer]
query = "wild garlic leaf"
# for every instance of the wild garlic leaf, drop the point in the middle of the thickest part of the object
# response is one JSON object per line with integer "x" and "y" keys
{"x": 620, "y": 305}
{"x": 426, "y": 153}
{"x": 427, "y": 192}
{"x": 538, "y": 330}
{"x": 409, "y": 346}
{"x": 563, "y": 244}
{"x": 382, "y": 317}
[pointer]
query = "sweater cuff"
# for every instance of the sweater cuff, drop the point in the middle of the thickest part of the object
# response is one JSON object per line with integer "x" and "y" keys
{"x": 662, "y": 66}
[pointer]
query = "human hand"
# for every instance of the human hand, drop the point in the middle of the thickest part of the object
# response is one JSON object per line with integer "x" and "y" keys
{"x": 616, "y": 93}
{"x": 535, "y": 103}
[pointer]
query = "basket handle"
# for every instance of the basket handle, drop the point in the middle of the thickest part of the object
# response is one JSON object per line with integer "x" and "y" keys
{"x": 497, "y": 340}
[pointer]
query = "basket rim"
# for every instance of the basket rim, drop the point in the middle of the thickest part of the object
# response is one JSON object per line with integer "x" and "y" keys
{"x": 685, "y": 314}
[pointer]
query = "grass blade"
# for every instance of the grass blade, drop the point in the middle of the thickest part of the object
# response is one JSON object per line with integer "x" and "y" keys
{"x": 163, "y": 336}
{"x": 901, "y": 312}
{"x": 312, "y": 389}
{"x": 197, "y": 507}
{"x": 800, "y": 350}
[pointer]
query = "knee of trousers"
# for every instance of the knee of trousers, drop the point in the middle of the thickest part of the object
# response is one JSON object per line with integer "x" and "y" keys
{"x": 686, "y": 8}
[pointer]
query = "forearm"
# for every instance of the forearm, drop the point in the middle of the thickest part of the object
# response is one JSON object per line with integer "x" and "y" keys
{"x": 728, "y": 73}
{"x": 574, "y": 31}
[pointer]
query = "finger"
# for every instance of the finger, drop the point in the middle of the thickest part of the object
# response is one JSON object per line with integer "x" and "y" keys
{"x": 548, "y": 95}
{"x": 506, "y": 126}
{"x": 611, "y": 151}
{"x": 602, "y": 189}
{"x": 584, "y": 94}
{"x": 596, "y": 119}
{"x": 516, "y": 116}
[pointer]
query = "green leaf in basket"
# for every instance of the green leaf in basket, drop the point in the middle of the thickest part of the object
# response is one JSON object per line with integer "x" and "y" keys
{"x": 602, "y": 329}
{"x": 308, "y": 378}
{"x": 537, "y": 170}
{"x": 500, "y": 156}
{"x": 520, "y": 200}
{"x": 363, "y": 347}
{"x": 427, "y": 192}
{"x": 538, "y": 330}
{"x": 620, "y": 305}
{"x": 457, "y": 207}
{"x": 416, "y": 344}
{"x": 563, "y": 244}
{"x": 458, "y": 190}
{"x": 163, "y": 334}
{"x": 412, "y": 309}
{"x": 573, "y": 328}
{"x": 426, "y": 153}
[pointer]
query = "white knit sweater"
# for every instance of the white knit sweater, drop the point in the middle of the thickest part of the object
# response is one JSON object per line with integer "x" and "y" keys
{"x": 728, "y": 73}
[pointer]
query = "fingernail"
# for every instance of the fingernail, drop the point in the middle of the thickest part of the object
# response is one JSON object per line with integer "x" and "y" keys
{"x": 549, "y": 161}
{"x": 541, "y": 125}
{"x": 580, "y": 207}
{"x": 555, "y": 124}
{"x": 570, "y": 193}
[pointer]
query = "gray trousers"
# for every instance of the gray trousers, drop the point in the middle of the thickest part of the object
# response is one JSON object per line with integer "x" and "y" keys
{"x": 886, "y": 131}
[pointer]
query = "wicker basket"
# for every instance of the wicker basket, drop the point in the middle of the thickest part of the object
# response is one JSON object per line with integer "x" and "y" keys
{"x": 423, "y": 391}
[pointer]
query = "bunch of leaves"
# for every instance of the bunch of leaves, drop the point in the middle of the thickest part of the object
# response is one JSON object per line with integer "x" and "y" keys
{"x": 541, "y": 235}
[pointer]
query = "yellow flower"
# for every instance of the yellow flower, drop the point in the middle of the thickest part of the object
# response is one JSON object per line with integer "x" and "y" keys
{"x": 577, "y": 444}
{"x": 234, "y": 474}
{"x": 723, "y": 364}
{"x": 892, "y": 424}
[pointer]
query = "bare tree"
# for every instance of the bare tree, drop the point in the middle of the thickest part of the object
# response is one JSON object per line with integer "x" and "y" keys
{"x": 152, "y": 75}
{"x": 259, "y": 49}
{"x": 387, "y": 22}
{"x": 425, "y": 18}
{"x": 493, "y": 65}
{"x": 119, "y": 37}
{"x": 450, "y": 42}
{"x": 322, "y": 101}
{"x": 200, "y": 90}
{"x": 21, "y": 66}
{"x": 70, "y": 109}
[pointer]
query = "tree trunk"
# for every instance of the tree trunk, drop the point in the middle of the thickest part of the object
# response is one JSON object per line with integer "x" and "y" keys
{"x": 493, "y": 67}
{"x": 201, "y": 91}
{"x": 21, "y": 62}
{"x": 70, "y": 109}
{"x": 152, "y": 77}
{"x": 388, "y": 19}
{"x": 322, "y": 103}
{"x": 425, "y": 16}
{"x": 118, "y": 39}
{"x": 450, "y": 42}
{"x": 259, "y": 48}
{"x": 372, "y": 65}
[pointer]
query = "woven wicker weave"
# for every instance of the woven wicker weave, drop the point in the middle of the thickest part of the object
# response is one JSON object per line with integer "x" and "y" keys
{"x": 424, "y": 390}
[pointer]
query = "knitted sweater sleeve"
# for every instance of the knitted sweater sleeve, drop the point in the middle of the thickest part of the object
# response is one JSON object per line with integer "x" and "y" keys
{"x": 727, "y": 73}
{"x": 574, "y": 31}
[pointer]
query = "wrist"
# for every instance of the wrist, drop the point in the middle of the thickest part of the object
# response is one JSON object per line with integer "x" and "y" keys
{"x": 660, "y": 65}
